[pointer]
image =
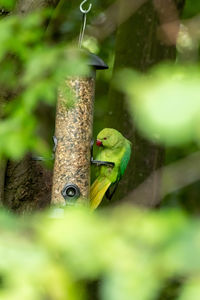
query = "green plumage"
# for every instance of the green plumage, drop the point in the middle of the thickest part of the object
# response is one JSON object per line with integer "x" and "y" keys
{"x": 117, "y": 149}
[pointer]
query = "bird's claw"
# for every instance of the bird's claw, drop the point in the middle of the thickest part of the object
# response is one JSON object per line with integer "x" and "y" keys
{"x": 99, "y": 163}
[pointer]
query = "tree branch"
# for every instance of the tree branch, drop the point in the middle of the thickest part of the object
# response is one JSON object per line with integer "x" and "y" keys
{"x": 174, "y": 177}
{"x": 26, "y": 6}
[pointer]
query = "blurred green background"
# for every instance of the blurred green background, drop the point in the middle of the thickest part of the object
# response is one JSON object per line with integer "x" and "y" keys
{"x": 151, "y": 93}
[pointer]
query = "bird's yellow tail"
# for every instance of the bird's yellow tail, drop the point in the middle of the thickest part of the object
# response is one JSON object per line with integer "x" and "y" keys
{"x": 98, "y": 189}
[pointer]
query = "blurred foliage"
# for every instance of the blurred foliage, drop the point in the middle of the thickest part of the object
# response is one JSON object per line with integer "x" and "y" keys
{"x": 31, "y": 72}
{"x": 145, "y": 253}
{"x": 7, "y": 4}
{"x": 191, "y": 9}
{"x": 165, "y": 103}
{"x": 45, "y": 257}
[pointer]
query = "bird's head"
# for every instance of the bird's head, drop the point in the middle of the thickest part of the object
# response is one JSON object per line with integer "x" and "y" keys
{"x": 109, "y": 138}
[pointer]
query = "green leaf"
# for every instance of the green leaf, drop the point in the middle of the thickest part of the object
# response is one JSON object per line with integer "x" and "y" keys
{"x": 191, "y": 8}
{"x": 7, "y": 4}
{"x": 165, "y": 103}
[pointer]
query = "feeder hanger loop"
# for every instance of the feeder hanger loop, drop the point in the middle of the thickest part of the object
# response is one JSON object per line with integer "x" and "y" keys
{"x": 84, "y": 12}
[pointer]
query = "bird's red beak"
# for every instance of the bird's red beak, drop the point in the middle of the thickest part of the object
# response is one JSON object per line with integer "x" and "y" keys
{"x": 99, "y": 143}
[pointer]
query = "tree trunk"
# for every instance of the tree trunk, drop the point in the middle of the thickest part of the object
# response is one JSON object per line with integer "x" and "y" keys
{"x": 138, "y": 46}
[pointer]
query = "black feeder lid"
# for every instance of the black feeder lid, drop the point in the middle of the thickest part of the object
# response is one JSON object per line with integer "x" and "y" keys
{"x": 96, "y": 62}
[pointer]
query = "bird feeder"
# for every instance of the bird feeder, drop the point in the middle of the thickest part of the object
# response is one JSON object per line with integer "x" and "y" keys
{"x": 73, "y": 132}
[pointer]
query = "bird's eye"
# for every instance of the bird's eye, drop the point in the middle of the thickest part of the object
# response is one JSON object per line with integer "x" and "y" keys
{"x": 105, "y": 138}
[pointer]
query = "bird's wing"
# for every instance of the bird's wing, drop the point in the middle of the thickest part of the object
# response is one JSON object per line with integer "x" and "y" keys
{"x": 123, "y": 164}
{"x": 98, "y": 189}
{"x": 125, "y": 159}
{"x": 111, "y": 190}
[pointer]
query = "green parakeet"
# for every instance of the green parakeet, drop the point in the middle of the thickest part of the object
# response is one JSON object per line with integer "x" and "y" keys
{"x": 115, "y": 148}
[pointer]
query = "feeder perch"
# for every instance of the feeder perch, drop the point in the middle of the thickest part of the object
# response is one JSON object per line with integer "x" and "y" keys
{"x": 73, "y": 132}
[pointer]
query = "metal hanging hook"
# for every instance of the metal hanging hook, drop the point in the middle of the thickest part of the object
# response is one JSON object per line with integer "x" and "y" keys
{"x": 85, "y": 11}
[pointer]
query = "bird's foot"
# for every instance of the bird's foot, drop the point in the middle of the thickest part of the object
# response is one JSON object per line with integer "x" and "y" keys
{"x": 99, "y": 163}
